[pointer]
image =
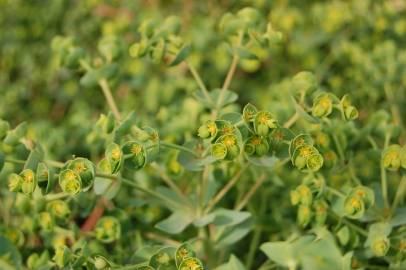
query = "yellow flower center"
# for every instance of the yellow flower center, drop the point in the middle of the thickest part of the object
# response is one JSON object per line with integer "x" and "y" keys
{"x": 229, "y": 141}
{"x": 115, "y": 154}
{"x": 80, "y": 167}
{"x": 136, "y": 149}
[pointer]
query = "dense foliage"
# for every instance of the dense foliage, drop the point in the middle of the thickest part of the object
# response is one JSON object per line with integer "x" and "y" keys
{"x": 192, "y": 135}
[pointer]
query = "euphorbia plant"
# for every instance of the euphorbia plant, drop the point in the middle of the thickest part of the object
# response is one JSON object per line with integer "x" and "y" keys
{"x": 200, "y": 189}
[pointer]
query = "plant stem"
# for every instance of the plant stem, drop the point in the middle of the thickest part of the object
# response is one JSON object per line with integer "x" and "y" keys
{"x": 335, "y": 192}
{"x": 338, "y": 146}
{"x": 168, "y": 180}
{"x": 291, "y": 120}
{"x": 150, "y": 192}
{"x": 225, "y": 189}
{"x": 14, "y": 161}
{"x": 400, "y": 192}
{"x": 178, "y": 147}
{"x": 56, "y": 196}
{"x": 109, "y": 97}
{"x": 251, "y": 192}
{"x": 257, "y": 233}
{"x": 229, "y": 78}
{"x": 199, "y": 81}
{"x": 54, "y": 163}
{"x": 349, "y": 224}
{"x": 384, "y": 181}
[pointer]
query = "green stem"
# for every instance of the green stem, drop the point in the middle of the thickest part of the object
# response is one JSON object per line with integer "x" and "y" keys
{"x": 335, "y": 192}
{"x": 14, "y": 161}
{"x": 384, "y": 181}
{"x": 251, "y": 192}
{"x": 109, "y": 97}
{"x": 225, "y": 189}
{"x": 168, "y": 180}
{"x": 338, "y": 146}
{"x": 56, "y": 196}
{"x": 349, "y": 224}
{"x": 400, "y": 192}
{"x": 199, "y": 81}
{"x": 178, "y": 147}
{"x": 291, "y": 120}
{"x": 150, "y": 192}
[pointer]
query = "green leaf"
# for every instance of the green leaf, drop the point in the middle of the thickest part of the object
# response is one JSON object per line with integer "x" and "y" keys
{"x": 245, "y": 53}
{"x": 223, "y": 217}
{"x": 106, "y": 187}
{"x": 283, "y": 253}
{"x": 266, "y": 161}
{"x": 181, "y": 55}
{"x": 175, "y": 223}
{"x": 191, "y": 162}
{"x": 303, "y": 113}
{"x": 125, "y": 127}
{"x": 35, "y": 157}
{"x": 8, "y": 250}
{"x": 2, "y": 160}
{"x": 233, "y": 234}
{"x": 233, "y": 264}
{"x": 227, "y": 98}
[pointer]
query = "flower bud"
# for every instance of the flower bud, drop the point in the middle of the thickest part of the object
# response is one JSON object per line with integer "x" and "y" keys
{"x": 183, "y": 252}
{"x": 139, "y": 49}
{"x": 58, "y": 209}
{"x": 158, "y": 51}
{"x": 320, "y": 210}
{"x": 304, "y": 215}
{"x": 304, "y": 81}
{"x": 44, "y": 177}
{"x": 208, "y": 130}
{"x": 299, "y": 140}
{"x": 256, "y": 145}
{"x": 305, "y": 193}
{"x": 263, "y": 122}
{"x": 354, "y": 207}
{"x": 46, "y": 221}
{"x": 14, "y": 182}
{"x": 249, "y": 112}
{"x": 314, "y": 162}
{"x": 230, "y": 142}
{"x": 62, "y": 256}
{"x": 351, "y": 113}
{"x": 15, "y": 235}
{"x": 4, "y": 128}
{"x": 380, "y": 246}
{"x": 85, "y": 169}
{"x": 101, "y": 263}
{"x": 403, "y": 157}
{"x": 108, "y": 229}
{"x": 32, "y": 261}
{"x": 219, "y": 151}
{"x": 391, "y": 157}
{"x": 14, "y": 136}
{"x": 250, "y": 16}
{"x": 29, "y": 181}
{"x": 365, "y": 193}
{"x": 70, "y": 181}
{"x": 114, "y": 157}
{"x": 110, "y": 47}
{"x": 294, "y": 197}
{"x": 191, "y": 263}
{"x": 134, "y": 155}
{"x": 322, "y": 105}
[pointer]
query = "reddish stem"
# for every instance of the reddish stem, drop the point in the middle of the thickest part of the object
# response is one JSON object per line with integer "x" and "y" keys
{"x": 94, "y": 216}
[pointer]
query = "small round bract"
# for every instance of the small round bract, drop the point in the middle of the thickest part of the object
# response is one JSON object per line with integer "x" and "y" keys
{"x": 108, "y": 229}
{"x": 70, "y": 181}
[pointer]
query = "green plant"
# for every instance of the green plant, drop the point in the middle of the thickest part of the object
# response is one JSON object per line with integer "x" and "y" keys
{"x": 181, "y": 180}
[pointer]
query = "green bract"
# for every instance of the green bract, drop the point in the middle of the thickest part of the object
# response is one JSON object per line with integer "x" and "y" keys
{"x": 70, "y": 181}
{"x": 391, "y": 157}
{"x": 263, "y": 123}
{"x": 134, "y": 155}
{"x": 28, "y": 181}
{"x": 108, "y": 229}
{"x": 59, "y": 209}
{"x": 322, "y": 105}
